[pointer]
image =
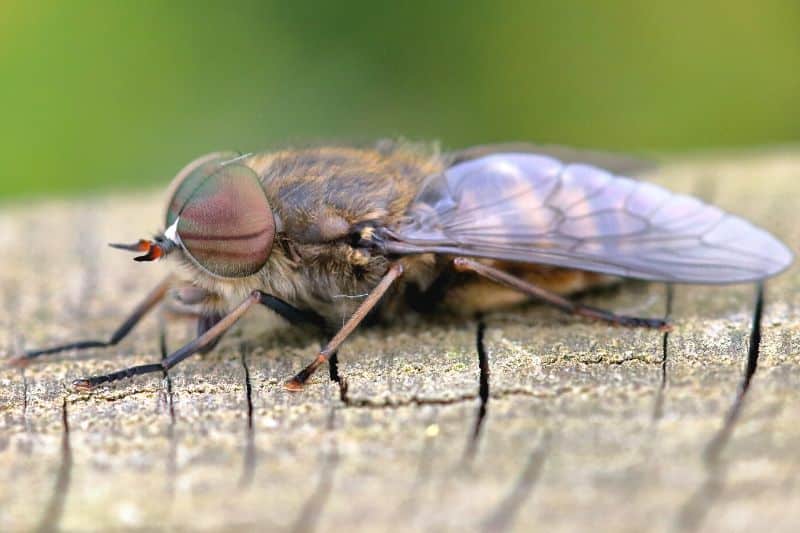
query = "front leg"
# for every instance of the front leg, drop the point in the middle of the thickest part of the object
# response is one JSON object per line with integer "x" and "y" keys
{"x": 203, "y": 341}
{"x": 210, "y": 329}
{"x": 153, "y": 298}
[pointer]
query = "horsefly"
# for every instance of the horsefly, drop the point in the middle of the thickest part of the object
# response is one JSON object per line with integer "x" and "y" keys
{"x": 402, "y": 228}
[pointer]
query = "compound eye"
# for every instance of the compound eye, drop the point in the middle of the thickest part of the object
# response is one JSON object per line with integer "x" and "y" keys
{"x": 187, "y": 180}
{"x": 226, "y": 225}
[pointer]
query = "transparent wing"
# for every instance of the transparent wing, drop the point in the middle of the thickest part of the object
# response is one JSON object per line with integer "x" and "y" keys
{"x": 618, "y": 163}
{"x": 536, "y": 209}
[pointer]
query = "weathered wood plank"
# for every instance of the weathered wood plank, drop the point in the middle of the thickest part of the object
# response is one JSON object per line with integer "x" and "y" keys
{"x": 587, "y": 426}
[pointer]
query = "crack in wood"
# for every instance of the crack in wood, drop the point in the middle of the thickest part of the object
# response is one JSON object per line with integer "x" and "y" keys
{"x": 395, "y": 403}
{"x": 112, "y": 395}
{"x": 696, "y": 508}
{"x": 502, "y": 518}
{"x": 483, "y": 391}
{"x": 168, "y": 397}
{"x": 409, "y": 505}
{"x": 658, "y": 406}
{"x": 172, "y": 455}
{"x": 25, "y": 400}
{"x": 55, "y": 507}
{"x": 311, "y": 511}
{"x": 605, "y": 361}
{"x": 249, "y": 462}
{"x": 694, "y": 511}
{"x": 717, "y": 444}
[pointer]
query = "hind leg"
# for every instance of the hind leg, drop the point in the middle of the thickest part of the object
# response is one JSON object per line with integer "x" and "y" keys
{"x": 463, "y": 264}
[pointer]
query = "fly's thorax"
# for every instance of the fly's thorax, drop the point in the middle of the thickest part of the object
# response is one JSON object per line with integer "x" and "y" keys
{"x": 331, "y": 275}
{"x": 319, "y": 192}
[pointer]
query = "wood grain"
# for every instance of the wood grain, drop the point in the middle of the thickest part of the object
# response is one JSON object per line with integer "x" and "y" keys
{"x": 586, "y": 426}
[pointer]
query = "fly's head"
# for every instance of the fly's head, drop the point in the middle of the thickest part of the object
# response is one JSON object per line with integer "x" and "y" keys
{"x": 218, "y": 219}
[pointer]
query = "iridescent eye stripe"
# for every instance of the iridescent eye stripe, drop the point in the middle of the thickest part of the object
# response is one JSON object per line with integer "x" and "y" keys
{"x": 200, "y": 237}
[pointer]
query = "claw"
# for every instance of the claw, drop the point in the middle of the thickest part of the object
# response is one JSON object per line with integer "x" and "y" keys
{"x": 18, "y": 361}
{"x": 82, "y": 385}
{"x": 293, "y": 385}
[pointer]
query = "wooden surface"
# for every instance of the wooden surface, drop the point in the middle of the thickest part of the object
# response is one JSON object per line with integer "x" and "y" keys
{"x": 586, "y": 426}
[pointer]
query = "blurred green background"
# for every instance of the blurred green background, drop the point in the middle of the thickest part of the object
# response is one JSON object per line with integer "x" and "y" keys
{"x": 99, "y": 95}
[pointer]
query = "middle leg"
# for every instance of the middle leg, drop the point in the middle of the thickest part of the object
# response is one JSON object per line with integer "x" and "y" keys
{"x": 298, "y": 381}
{"x": 210, "y": 329}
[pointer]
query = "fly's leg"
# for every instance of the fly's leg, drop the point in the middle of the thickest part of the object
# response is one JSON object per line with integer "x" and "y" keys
{"x": 210, "y": 329}
{"x": 297, "y": 317}
{"x": 204, "y": 323}
{"x": 203, "y": 341}
{"x": 290, "y": 313}
{"x": 188, "y": 298}
{"x": 333, "y": 368}
{"x": 145, "y": 306}
{"x": 463, "y": 264}
{"x": 394, "y": 272}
